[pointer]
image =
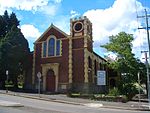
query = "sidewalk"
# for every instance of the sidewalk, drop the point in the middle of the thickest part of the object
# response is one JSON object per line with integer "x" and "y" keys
{"x": 10, "y": 104}
{"x": 62, "y": 98}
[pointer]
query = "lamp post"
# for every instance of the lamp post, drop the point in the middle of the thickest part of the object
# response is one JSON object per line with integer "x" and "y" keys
{"x": 7, "y": 80}
{"x": 39, "y": 80}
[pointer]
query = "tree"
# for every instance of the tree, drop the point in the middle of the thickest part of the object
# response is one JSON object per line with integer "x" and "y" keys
{"x": 2, "y": 27}
{"x": 126, "y": 64}
{"x": 14, "y": 53}
{"x": 14, "y": 50}
{"x": 13, "y": 21}
{"x": 7, "y": 22}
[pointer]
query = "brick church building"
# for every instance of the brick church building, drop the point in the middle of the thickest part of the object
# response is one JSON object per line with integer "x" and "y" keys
{"x": 68, "y": 62}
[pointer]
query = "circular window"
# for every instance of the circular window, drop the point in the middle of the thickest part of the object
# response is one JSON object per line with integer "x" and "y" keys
{"x": 78, "y": 26}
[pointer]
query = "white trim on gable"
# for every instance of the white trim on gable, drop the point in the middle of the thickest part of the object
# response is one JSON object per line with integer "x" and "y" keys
{"x": 51, "y": 26}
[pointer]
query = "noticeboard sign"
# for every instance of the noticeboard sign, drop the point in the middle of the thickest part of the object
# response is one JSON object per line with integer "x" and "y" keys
{"x": 101, "y": 77}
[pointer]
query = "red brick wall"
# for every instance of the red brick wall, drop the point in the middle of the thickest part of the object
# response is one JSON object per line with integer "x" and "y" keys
{"x": 78, "y": 43}
{"x": 62, "y": 60}
{"x": 38, "y": 57}
{"x": 64, "y": 64}
{"x": 78, "y": 66}
{"x": 90, "y": 47}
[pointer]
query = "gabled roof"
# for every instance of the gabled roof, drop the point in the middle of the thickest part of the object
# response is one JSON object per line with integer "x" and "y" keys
{"x": 99, "y": 56}
{"x": 54, "y": 27}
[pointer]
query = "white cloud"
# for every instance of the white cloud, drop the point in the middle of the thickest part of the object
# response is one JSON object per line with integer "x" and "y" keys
{"x": 63, "y": 23}
{"x": 31, "y": 33}
{"x": 49, "y": 9}
{"x": 74, "y": 14}
{"x": 57, "y": 1}
{"x": 43, "y": 6}
{"x": 23, "y": 4}
{"x": 140, "y": 39}
{"x": 121, "y": 16}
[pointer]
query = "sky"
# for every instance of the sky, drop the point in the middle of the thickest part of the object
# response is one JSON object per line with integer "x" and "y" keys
{"x": 108, "y": 17}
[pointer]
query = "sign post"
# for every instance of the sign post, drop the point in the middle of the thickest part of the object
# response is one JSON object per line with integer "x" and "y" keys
{"x": 39, "y": 80}
{"x": 7, "y": 81}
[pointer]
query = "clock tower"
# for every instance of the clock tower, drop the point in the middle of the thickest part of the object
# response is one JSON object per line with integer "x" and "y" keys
{"x": 82, "y": 28}
{"x": 80, "y": 46}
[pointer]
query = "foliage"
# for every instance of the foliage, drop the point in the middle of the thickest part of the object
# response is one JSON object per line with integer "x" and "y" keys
{"x": 112, "y": 96}
{"x": 129, "y": 90}
{"x": 114, "y": 92}
{"x": 80, "y": 95}
{"x": 126, "y": 64}
{"x": 14, "y": 49}
{"x": 20, "y": 81}
{"x": 119, "y": 98}
{"x": 9, "y": 84}
{"x": 7, "y": 22}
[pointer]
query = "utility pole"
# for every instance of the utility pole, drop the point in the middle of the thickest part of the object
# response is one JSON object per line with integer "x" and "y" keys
{"x": 147, "y": 70}
{"x": 147, "y": 63}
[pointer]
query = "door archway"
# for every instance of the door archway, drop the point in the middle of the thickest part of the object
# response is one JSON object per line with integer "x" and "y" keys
{"x": 112, "y": 83}
{"x": 50, "y": 81}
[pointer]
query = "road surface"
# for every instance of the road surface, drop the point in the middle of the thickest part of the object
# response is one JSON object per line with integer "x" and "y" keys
{"x": 40, "y": 106}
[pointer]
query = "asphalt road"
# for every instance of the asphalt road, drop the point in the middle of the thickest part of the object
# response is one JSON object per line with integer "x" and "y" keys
{"x": 25, "y": 110}
{"x": 40, "y": 106}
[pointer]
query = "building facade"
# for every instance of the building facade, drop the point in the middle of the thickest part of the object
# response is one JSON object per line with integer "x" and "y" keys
{"x": 68, "y": 62}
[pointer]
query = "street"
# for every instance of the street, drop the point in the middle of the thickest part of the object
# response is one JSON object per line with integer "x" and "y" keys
{"x": 40, "y": 106}
{"x": 25, "y": 110}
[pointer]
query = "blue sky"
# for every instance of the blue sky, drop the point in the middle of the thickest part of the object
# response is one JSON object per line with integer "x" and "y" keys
{"x": 109, "y": 17}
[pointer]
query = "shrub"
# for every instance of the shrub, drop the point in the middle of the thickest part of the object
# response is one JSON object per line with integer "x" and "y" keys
{"x": 119, "y": 98}
{"x": 114, "y": 92}
{"x": 129, "y": 90}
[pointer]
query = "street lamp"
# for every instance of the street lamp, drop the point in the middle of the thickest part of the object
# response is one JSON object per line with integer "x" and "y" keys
{"x": 7, "y": 80}
{"x": 39, "y": 80}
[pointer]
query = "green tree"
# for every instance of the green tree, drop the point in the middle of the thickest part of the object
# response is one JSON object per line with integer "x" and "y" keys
{"x": 7, "y": 22}
{"x": 126, "y": 64}
{"x": 14, "y": 50}
{"x": 2, "y": 27}
{"x": 13, "y": 21}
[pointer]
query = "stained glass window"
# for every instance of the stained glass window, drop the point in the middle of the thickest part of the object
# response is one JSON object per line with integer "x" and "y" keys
{"x": 51, "y": 47}
{"x": 44, "y": 49}
{"x": 58, "y": 48}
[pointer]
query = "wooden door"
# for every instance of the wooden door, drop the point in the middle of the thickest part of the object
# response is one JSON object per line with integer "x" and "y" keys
{"x": 50, "y": 81}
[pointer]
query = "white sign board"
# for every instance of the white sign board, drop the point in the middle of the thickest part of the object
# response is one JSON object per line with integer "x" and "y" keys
{"x": 101, "y": 77}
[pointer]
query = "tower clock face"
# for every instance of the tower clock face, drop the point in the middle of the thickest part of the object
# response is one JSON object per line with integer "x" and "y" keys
{"x": 78, "y": 27}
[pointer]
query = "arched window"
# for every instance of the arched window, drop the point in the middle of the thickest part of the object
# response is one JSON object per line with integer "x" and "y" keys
{"x": 95, "y": 68}
{"x": 44, "y": 49}
{"x": 51, "y": 47}
{"x": 58, "y": 48}
{"x": 90, "y": 62}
